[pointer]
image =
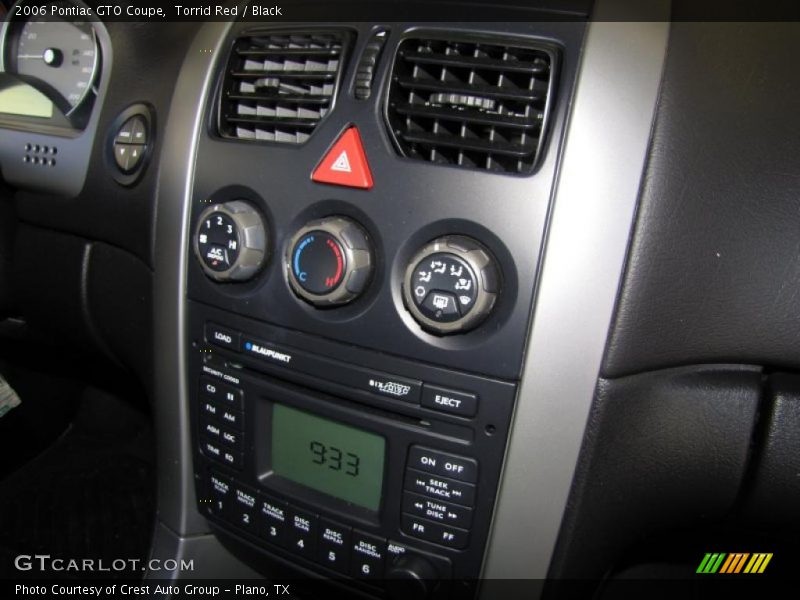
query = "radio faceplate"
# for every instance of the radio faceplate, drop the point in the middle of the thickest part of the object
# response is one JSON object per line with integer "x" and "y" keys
{"x": 371, "y": 478}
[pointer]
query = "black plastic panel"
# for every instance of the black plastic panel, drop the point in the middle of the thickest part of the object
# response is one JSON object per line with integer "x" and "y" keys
{"x": 663, "y": 451}
{"x": 119, "y": 300}
{"x": 409, "y": 205}
{"x": 774, "y": 487}
{"x": 713, "y": 274}
{"x": 49, "y": 282}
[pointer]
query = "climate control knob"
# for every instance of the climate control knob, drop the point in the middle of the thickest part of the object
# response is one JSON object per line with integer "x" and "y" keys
{"x": 451, "y": 284}
{"x": 329, "y": 261}
{"x": 231, "y": 241}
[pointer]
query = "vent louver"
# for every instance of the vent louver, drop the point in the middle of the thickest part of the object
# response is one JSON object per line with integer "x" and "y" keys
{"x": 479, "y": 105}
{"x": 280, "y": 85}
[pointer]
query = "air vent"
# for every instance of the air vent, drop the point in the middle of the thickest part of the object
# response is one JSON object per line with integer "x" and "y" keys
{"x": 471, "y": 104}
{"x": 280, "y": 85}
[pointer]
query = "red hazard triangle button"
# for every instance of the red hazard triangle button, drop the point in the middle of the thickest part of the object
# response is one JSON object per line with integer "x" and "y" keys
{"x": 345, "y": 163}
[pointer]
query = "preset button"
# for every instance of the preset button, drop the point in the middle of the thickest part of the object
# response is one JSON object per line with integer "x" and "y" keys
{"x": 273, "y": 520}
{"x": 333, "y": 546}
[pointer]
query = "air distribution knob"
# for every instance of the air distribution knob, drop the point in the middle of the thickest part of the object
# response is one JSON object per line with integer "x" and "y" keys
{"x": 329, "y": 261}
{"x": 231, "y": 241}
{"x": 451, "y": 284}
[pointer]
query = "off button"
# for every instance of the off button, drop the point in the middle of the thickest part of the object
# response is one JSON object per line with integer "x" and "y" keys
{"x": 441, "y": 463}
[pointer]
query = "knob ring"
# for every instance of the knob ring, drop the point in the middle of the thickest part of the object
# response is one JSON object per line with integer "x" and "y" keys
{"x": 353, "y": 241}
{"x": 482, "y": 264}
{"x": 250, "y": 236}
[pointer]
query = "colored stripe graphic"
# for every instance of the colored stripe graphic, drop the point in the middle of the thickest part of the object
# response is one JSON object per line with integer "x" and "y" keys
{"x": 733, "y": 563}
{"x": 758, "y": 563}
{"x": 711, "y": 562}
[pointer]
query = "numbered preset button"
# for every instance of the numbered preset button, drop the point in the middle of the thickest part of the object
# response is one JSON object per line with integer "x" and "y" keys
{"x": 273, "y": 520}
{"x": 369, "y": 555}
{"x": 242, "y": 510}
{"x": 333, "y": 545}
{"x": 301, "y": 533}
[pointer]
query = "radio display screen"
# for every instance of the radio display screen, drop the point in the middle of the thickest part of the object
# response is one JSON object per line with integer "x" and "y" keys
{"x": 336, "y": 459}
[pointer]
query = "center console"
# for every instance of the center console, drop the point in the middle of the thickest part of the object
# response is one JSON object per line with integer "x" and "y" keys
{"x": 368, "y": 210}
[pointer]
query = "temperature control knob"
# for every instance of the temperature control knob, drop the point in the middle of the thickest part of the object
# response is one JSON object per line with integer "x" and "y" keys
{"x": 451, "y": 284}
{"x": 231, "y": 241}
{"x": 329, "y": 261}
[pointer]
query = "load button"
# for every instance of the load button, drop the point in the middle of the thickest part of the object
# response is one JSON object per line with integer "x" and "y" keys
{"x": 446, "y": 465}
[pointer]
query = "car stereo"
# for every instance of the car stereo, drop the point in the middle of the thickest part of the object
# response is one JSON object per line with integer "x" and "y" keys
{"x": 361, "y": 466}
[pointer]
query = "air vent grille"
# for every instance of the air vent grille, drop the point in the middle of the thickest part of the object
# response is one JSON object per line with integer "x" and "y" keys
{"x": 280, "y": 85}
{"x": 471, "y": 104}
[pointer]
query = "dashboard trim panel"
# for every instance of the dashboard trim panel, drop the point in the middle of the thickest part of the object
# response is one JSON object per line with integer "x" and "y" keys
{"x": 595, "y": 203}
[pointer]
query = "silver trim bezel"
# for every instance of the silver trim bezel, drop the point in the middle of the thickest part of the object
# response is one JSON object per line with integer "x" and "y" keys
{"x": 593, "y": 211}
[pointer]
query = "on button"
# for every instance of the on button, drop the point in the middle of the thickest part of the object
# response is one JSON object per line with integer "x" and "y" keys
{"x": 447, "y": 465}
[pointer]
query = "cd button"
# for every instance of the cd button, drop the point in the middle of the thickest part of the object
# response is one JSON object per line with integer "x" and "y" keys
{"x": 225, "y": 394}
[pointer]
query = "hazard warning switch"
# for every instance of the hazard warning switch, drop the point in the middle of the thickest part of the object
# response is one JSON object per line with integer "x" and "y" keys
{"x": 345, "y": 163}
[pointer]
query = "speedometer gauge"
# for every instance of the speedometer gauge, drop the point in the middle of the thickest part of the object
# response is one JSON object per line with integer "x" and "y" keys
{"x": 58, "y": 56}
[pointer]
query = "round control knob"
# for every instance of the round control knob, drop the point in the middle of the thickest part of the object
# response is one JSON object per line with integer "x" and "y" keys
{"x": 412, "y": 576}
{"x": 231, "y": 241}
{"x": 329, "y": 261}
{"x": 451, "y": 284}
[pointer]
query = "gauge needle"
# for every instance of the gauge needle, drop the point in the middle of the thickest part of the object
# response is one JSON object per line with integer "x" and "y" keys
{"x": 51, "y": 56}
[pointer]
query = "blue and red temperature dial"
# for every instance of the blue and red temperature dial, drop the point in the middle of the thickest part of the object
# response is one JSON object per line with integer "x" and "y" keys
{"x": 318, "y": 262}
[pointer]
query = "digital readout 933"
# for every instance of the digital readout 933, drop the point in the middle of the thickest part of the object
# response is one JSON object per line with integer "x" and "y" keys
{"x": 327, "y": 456}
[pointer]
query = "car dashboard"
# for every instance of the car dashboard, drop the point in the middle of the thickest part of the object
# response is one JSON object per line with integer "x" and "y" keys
{"x": 422, "y": 307}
